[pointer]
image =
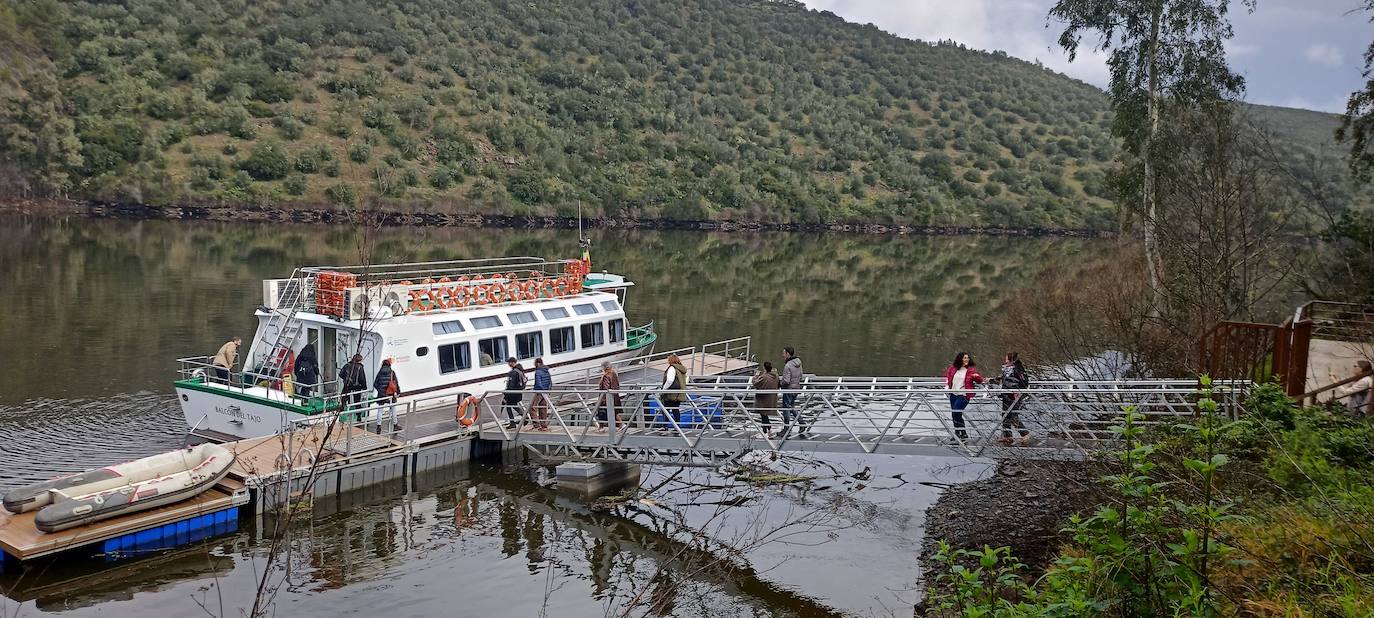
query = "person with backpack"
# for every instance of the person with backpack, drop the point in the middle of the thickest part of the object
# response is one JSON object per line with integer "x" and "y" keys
{"x": 961, "y": 375}
{"x": 388, "y": 387}
{"x": 515, "y": 382}
{"x": 1013, "y": 377}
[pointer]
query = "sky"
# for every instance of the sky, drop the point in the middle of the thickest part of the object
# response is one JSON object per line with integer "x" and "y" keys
{"x": 1293, "y": 53}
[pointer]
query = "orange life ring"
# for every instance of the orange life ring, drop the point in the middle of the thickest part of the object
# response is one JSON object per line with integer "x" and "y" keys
{"x": 462, "y": 414}
{"x": 417, "y": 300}
{"x": 461, "y": 296}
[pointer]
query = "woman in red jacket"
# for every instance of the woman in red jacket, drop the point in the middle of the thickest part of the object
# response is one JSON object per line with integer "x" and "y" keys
{"x": 961, "y": 374}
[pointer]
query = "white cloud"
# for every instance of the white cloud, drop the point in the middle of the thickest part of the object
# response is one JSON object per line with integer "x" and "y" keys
{"x": 1240, "y": 50}
{"x": 1017, "y": 27}
{"x": 1321, "y": 53}
{"x": 1334, "y": 105}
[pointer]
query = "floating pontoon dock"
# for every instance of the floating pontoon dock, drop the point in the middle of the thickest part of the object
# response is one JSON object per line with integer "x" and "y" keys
{"x": 329, "y": 459}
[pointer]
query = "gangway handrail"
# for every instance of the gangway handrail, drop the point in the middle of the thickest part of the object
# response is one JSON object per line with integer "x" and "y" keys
{"x": 1068, "y": 422}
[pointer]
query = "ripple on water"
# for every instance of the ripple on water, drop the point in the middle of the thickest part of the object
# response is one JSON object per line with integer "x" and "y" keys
{"x": 44, "y": 438}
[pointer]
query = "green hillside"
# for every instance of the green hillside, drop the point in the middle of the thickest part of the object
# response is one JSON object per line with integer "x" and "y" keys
{"x": 689, "y": 109}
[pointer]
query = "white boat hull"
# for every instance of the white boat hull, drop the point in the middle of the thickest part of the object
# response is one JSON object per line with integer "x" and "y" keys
{"x": 213, "y": 411}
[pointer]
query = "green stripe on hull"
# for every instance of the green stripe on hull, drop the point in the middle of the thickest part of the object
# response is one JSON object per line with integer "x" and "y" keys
{"x": 316, "y": 406}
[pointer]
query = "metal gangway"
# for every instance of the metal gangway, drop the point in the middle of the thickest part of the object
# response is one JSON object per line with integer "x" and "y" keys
{"x": 721, "y": 419}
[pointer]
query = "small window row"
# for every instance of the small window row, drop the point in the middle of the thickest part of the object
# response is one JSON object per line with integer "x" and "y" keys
{"x": 488, "y": 322}
{"x": 455, "y": 357}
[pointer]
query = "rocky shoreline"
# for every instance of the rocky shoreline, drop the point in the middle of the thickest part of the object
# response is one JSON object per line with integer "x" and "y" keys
{"x": 307, "y": 214}
{"x": 1023, "y": 505}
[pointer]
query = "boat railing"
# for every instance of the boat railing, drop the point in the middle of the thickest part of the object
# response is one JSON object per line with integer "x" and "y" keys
{"x": 202, "y": 369}
{"x": 635, "y": 335}
{"x": 453, "y": 269}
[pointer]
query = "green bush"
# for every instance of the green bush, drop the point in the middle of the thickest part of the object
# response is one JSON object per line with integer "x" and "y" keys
{"x": 359, "y": 152}
{"x": 267, "y": 161}
{"x": 289, "y": 127}
{"x": 295, "y": 184}
{"x": 342, "y": 195}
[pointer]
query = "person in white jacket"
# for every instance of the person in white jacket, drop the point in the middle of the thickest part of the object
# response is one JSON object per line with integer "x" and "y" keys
{"x": 1355, "y": 395}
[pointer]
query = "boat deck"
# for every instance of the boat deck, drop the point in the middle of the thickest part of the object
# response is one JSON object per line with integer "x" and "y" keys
{"x": 20, "y": 539}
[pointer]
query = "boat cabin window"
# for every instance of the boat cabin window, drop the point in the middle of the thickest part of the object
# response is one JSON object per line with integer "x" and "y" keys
{"x": 609, "y": 305}
{"x": 561, "y": 340}
{"x": 593, "y": 335}
{"x": 617, "y": 330}
{"x": 587, "y": 309}
{"x": 453, "y": 357}
{"x": 554, "y": 313}
{"x": 485, "y": 322}
{"x": 522, "y": 317}
{"x": 447, "y": 328}
{"x": 422, "y": 351}
{"x": 529, "y": 345}
{"x": 493, "y": 350}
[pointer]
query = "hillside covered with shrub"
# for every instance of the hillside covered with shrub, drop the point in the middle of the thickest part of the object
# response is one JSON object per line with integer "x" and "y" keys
{"x": 678, "y": 109}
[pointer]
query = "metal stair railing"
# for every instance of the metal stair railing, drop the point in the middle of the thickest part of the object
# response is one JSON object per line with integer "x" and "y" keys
{"x": 282, "y": 326}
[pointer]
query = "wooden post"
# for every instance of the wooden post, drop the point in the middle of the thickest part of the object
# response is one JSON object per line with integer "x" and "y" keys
{"x": 1300, "y": 341}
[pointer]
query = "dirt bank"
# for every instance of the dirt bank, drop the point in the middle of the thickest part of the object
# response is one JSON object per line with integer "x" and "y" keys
{"x": 1023, "y": 506}
{"x": 322, "y": 214}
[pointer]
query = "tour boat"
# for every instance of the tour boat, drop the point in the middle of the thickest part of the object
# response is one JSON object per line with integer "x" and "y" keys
{"x": 447, "y": 328}
{"x": 102, "y": 493}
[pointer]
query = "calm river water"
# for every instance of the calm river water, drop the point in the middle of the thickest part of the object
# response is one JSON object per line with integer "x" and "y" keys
{"x": 96, "y": 311}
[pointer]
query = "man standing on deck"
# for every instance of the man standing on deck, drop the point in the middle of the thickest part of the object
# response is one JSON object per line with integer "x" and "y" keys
{"x": 225, "y": 358}
{"x": 515, "y": 382}
{"x": 791, "y": 379}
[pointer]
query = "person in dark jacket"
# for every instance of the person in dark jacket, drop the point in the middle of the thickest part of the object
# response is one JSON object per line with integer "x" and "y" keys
{"x": 961, "y": 375}
{"x": 307, "y": 372}
{"x": 609, "y": 402}
{"x": 539, "y": 409}
{"x": 354, "y": 379}
{"x": 515, "y": 382}
{"x": 388, "y": 387}
{"x": 1013, "y": 377}
{"x": 766, "y": 385}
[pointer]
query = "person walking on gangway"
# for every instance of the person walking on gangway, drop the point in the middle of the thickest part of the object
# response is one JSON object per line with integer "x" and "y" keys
{"x": 1013, "y": 378}
{"x": 765, "y": 384}
{"x": 539, "y": 408}
{"x": 674, "y": 379}
{"x": 388, "y": 388}
{"x": 607, "y": 406}
{"x": 962, "y": 374}
{"x": 791, "y": 379}
{"x": 515, "y": 383}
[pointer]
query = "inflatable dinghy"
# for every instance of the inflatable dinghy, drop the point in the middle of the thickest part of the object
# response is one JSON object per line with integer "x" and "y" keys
{"x": 129, "y": 487}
